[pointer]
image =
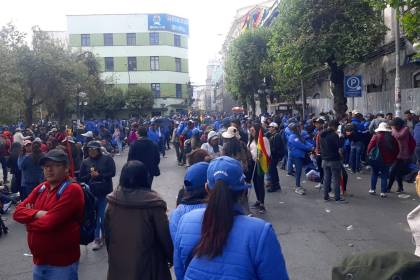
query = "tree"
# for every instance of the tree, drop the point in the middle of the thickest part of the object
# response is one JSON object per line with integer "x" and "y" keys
{"x": 309, "y": 34}
{"x": 243, "y": 68}
{"x": 109, "y": 103}
{"x": 140, "y": 100}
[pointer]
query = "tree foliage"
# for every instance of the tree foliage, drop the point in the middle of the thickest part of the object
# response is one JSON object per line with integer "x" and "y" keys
{"x": 108, "y": 103}
{"x": 140, "y": 100}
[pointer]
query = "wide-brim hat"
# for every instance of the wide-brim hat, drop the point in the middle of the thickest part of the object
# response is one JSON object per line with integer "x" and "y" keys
{"x": 383, "y": 127}
{"x": 231, "y": 132}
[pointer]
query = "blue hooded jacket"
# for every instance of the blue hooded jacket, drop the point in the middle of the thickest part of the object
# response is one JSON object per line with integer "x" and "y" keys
{"x": 177, "y": 214}
{"x": 252, "y": 251}
{"x": 298, "y": 149}
{"x": 416, "y": 134}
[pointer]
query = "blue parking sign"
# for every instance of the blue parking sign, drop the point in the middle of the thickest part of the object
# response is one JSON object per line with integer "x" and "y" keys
{"x": 353, "y": 86}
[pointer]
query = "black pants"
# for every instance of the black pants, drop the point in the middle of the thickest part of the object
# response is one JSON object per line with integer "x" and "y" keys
{"x": 274, "y": 174}
{"x": 3, "y": 163}
{"x": 258, "y": 181}
{"x": 178, "y": 152}
{"x": 320, "y": 169}
{"x": 398, "y": 170}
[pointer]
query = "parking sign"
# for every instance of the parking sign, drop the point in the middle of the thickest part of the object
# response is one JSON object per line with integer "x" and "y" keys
{"x": 353, "y": 86}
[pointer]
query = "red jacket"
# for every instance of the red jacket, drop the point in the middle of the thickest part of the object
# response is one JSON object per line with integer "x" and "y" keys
{"x": 388, "y": 155}
{"x": 54, "y": 238}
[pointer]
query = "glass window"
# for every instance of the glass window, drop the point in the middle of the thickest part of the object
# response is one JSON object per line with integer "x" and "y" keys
{"x": 131, "y": 39}
{"x": 177, "y": 40}
{"x": 108, "y": 39}
{"x": 178, "y": 64}
{"x": 109, "y": 64}
{"x": 156, "y": 90}
{"x": 132, "y": 63}
{"x": 85, "y": 40}
{"x": 154, "y": 38}
{"x": 154, "y": 63}
{"x": 178, "y": 91}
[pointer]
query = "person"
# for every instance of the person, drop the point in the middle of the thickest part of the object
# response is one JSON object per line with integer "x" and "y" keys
{"x": 146, "y": 151}
{"x": 116, "y": 137}
{"x": 18, "y": 136}
{"x": 257, "y": 176}
{"x": 97, "y": 172}
{"x": 136, "y": 229}
{"x": 399, "y": 168}
{"x": 176, "y": 142}
{"x": 132, "y": 135}
{"x": 410, "y": 121}
{"x": 28, "y": 163}
{"x": 298, "y": 150}
{"x": 194, "y": 194}
{"x": 53, "y": 223}
{"x": 374, "y": 124}
{"x": 357, "y": 142}
{"x": 12, "y": 163}
{"x": 5, "y": 146}
{"x": 212, "y": 145}
{"x": 219, "y": 242}
{"x": 277, "y": 149}
{"x": 416, "y": 135}
{"x": 331, "y": 163}
{"x": 388, "y": 149}
{"x": 319, "y": 125}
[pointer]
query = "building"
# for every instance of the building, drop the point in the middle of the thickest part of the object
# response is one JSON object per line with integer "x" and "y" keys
{"x": 147, "y": 50}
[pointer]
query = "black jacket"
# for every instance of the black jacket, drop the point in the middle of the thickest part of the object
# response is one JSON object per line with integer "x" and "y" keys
{"x": 105, "y": 166}
{"x": 330, "y": 145}
{"x": 277, "y": 146}
{"x": 146, "y": 151}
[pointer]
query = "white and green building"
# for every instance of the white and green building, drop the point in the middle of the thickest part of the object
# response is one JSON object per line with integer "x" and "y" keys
{"x": 147, "y": 50}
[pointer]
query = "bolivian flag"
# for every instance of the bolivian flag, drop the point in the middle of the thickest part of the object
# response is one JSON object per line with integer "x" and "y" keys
{"x": 263, "y": 159}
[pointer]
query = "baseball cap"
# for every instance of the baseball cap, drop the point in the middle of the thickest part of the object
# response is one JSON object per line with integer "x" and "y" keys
{"x": 273, "y": 124}
{"x": 88, "y": 134}
{"x": 56, "y": 155}
{"x": 231, "y": 132}
{"x": 196, "y": 176}
{"x": 229, "y": 170}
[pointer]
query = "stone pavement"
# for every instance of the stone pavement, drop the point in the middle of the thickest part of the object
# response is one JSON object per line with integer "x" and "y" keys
{"x": 314, "y": 235}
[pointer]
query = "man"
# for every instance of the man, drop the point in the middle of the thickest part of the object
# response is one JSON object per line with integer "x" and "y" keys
{"x": 5, "y": 146}
{"x": 18, "y": 136}
{"x": 277, "y": 149}
{"x": 97, "y": 171}
{"x": 410, "y": 120}
{"x": 374, "y": 124}
{"x": 144, "y": 150}
{"x": 331, "y": 162}
{"x": 52, "y": 221}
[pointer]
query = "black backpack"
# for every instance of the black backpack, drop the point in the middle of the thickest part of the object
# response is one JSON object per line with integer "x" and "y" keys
{"x": 88, "y": 224}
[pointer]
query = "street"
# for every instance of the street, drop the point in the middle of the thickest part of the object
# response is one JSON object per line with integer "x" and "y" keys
{"x": 314, "y": 235}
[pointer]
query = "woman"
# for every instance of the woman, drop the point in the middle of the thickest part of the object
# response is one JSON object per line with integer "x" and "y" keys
{"x": 219, "y": 242}
{"x": 116, "y": 138}
{"x": 258, "y": 177}
{"x": 136, "y": 229}
{"x": 298, "y": 150}
{"x": 388, "y": 151}
{"x": 28, "y": 163}
{"x": 212, "y": 145}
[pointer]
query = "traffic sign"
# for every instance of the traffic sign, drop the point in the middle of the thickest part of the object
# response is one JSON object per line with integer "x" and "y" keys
{"x": 353, "y": 86}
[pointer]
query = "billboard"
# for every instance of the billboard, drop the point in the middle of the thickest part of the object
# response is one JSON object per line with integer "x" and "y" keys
{"x": 165, "y": 22}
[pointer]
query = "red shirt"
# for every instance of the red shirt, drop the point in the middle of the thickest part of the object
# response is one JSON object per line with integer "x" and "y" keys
{"x": 54, "y": 238}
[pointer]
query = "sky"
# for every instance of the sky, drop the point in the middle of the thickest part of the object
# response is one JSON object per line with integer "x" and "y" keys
{"x": 209, "y": 20}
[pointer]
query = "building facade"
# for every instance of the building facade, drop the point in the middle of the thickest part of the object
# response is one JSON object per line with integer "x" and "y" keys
{"x": 146, "y": 50}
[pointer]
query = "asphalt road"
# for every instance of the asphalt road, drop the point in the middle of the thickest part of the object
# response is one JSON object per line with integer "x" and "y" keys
{"x": 314, "y": 235}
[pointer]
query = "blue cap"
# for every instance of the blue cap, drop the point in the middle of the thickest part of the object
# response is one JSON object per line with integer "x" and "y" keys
{"x": 196, "y": 176}
{"x": 229, "y": 170}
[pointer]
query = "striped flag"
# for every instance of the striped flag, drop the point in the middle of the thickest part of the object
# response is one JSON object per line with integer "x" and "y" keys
{"x": 263, "y": 159}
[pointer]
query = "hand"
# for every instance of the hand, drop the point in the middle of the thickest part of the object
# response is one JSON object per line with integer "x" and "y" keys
{"x": 94, "y": 174}
{"x": 40, "y": 213}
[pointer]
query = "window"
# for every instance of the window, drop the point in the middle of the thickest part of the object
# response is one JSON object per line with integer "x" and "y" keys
{"x": 178, "y": 64}
{"x": 178, "y": 91}
{"x": 85, "y": 40}
{"x": 132, "y": 63}
{"x": 416, "y": 80}
{"x": 131, "y": 39}
{"x": 109, "y": 64}
{"x": 156, "y": 90}
{"x": 108, "y": 39}
{"x": 177, "y": 40}
{"x": 154, "y": 38}
{"x": 154, "y": 63}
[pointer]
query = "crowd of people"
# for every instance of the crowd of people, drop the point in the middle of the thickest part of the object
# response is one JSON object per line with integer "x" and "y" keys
{"x": 212, "y": 233}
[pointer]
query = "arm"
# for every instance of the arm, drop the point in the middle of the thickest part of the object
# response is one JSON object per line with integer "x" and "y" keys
{"x": 24, "y": 214}
{"x": 372, "y": 144}
{"x": 400, "y": 134}
{"x": 109, "y": 171}
{"x": 163, "y": 234}
{"x": 84, "y": 173}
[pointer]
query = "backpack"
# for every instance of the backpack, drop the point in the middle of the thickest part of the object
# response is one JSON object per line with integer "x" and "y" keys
{"x": 88, "y": 224}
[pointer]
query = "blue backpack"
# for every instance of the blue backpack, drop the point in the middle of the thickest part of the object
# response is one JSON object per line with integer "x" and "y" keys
{"x": 88, "y": 224}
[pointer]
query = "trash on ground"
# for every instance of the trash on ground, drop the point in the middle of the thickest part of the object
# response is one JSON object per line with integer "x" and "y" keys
{"x": 27, "y": 255}
{"x": 350, "y": 227}
{"x": 404, "y": 196}
{"x": 327, "y": 210}
{"x": 350, "y": 245}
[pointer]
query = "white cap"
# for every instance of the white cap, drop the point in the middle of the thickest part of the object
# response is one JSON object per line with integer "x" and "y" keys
{"x": 212, "y": 134}
{"x": 88, "y": 134}
{"x": 273, "y": 124}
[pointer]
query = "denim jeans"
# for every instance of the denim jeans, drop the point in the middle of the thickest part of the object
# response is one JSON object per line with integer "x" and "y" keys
{"x": 100, "y": 207}
{"x": 377, "y": 171}
{"x": 289, "y": 164}
{"x": 298, "y": 162}
{"x": 274, "y": 174}
{"x": 119, "y": 145}
{"x": 332, "y": 174}
{"x": 49, "y": 272}
{"x": 418, "y": 154}
{"x": 346, "y": 150}
{"x": 355, "y": 155}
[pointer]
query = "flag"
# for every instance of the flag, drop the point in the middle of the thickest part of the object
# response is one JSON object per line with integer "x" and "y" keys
{"x": 263, "y": 159}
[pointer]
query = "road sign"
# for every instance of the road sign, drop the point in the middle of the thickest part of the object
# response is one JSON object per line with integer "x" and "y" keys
{"x": 353, "y": 86}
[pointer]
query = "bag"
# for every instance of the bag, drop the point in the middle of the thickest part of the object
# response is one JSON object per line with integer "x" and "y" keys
{"x": 375, "y": 157}
{"x": 88, "y": 224}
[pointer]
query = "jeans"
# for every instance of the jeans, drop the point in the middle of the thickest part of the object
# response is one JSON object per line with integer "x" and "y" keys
{"x": 346, "y": 151}
{"x": 418, "y": 154}
{"x": 3, "y": 163}
{"x": 332, "y": 175}
{"x": 162, "y": 146}
{"x": 119, "y": 145}
{"x": 377, "y": 171}
{"x": 177, "y": 151}
{"x": 298, "y": 162}
{"x": 289, "y": 164}
{"x": 100, "y": 207}
{"x": 49, "y": 272}
{"x": 274, "y": 174}
{"x": 355, "y": 155}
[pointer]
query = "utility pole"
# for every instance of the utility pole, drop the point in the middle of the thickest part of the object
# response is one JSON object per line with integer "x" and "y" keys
{"x": 397, "y": 92}
{"x": 303, "y": 99}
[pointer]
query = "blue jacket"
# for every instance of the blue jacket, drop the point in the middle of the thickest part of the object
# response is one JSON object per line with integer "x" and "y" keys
{"x": 252, "y": 251}
{"x": 416, "y": 134}
{"x": 153, "y": 135}
{"x": 177, "y": 214}
{"x": 32, "y": 173}
{"x": 298, "y": 149}
{"x": 358, "y": 125}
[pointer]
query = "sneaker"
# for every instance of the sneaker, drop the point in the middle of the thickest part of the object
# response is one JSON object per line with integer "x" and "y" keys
{"x": 341, "y": 201}
{"x": 256, "y": 205}
{"x": 97, "y": 244}
{"x": 383, "y": 195}
{"x": 300, "y": 191}
{"x": 318, "y": 186}
{"x": 261, "y": 209}
{"x": 331, "y": 195}
{"x": 372, "y": 192}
